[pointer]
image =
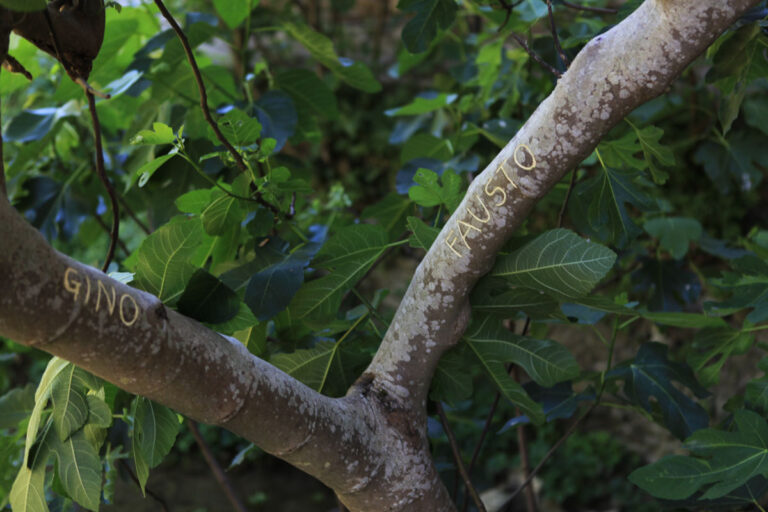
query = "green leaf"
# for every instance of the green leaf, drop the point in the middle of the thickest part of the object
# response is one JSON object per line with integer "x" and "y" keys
{"x": 598, "y": 206}
{"x": 328, "y": 367}
{"x": 756, "y": 394}
{"x": 194, "y": 201}
{"x": 273, "y": 278}
{"x": 426, "y": 145}
{"x": 452, "y": 382}
{"x": 28, "y": 491}
{"x": 355, "y": 74}
{"x": 145, "y": 172}
{"x": 24, "y": 5}
{"x": 423, "y": 236}
{"x": 351, "y": 245}
{"x": 208, "y": 300}
{"x": 655, "y": 152}
{"x": 238, "y": 128}
{"x": 349, "y": 253}
{"x": 558, "y": 262}
{"x": 674, "y": 233}
{"x": 428, "y": 192}
{"x": 154, "y": 433}
{"x": 712, "y": 347}
{"x": 164, "y": 267}
{"x": 419, "y": 32}
{"x": 651, "y": 374}
{"x": 308, "y": 92}
{"x": 684, "y": 320}
{"x": 721, "y": 461}
{"x": 423, "y": 103}
{"x": 221, "y": 214}
{"x": 508, "y": 303}
{"x": 16, "y": 405}
{"x": 512, "y": 391}
{"x": 545, "y": 361}
{"x": 79, "y": 469}
{"x": 390, "y": 213}
{"x": 233, "y": 12}
{"x": 70, "y": 409}
{"x": 158, "y": 135}
{"x": 310, "y": 366}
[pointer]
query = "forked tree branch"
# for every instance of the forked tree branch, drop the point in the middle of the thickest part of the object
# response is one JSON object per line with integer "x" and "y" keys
{"x": 369, "y": 446}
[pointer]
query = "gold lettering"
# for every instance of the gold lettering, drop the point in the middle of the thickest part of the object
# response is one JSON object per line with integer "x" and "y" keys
{"x": 110, "y": 303}
{"x": 72, "y": 286}
{"x": 451, "y": 242}
{"x": 464, "y": 233}
{"x": 496, "y": 190}
{"x": 136, "y": 310}
{"x": 504, "y": 172}
{"x": 87, "y": 289}
{"x": 533, "y": 158}
{"x": 487, "y": 213}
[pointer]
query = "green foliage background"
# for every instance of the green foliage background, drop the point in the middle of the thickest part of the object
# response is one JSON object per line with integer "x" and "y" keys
{"x": 362, "y": 128}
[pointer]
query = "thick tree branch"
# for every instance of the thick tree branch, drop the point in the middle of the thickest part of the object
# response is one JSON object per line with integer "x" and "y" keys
{"x": 614, "y": 73}
{"x": 357, "y": 445}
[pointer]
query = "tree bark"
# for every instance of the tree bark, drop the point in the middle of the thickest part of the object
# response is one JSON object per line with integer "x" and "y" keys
{"x": 369, "y": 446}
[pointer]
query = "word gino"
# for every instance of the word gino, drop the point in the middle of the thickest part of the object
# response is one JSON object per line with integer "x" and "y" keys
{"x": 127, "y": 308}
{"x": 466, "y": 226}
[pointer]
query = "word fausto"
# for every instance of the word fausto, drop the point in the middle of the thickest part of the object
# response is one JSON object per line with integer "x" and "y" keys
{"x": 101, "y": 295}
{"x": 510, "y": 173}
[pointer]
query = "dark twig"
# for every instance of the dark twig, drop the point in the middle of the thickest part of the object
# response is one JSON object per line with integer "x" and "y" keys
{"x": 200, "y": 86}
{"x": 15, "y": 66}
{"x": 457, "y": 458}
{"x": 549, "y": 454}
{"x": 561, "y": 216}
{"x": 507, "y": 7}
{"x": 204, "y": 99}
{"x": 106, "y": 229}
{"x": 135, "y": 480}
{"x": 601, "y": 10}
{"x": 3, "y": 188}
{"x": 525, "y": 460}
{"x": 115, "y": 234}
{"x": 535, "y": 55}
{"x": 489, "y": 421}
{"x": 133, "y": 215}
{"x": 558, "y": 46}
{"x": 213, "y": 464}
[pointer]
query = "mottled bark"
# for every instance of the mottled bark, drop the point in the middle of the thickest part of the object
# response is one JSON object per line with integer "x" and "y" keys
{"x": 370, "y": 446}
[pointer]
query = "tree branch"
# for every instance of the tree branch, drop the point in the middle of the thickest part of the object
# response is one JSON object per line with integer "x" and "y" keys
{"x": 357, "y": 445}
{"x": 369, "y": 446}
{"x": 615, "y": 72}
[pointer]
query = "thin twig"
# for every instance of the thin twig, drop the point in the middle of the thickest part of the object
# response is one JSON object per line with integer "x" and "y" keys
{"x": 561, "y": 216}
{"x": 133, "y": 215}
{"x": 601, "y": 10}
{"x": 552, "y": 25}
{"x": 213, "y": 464}
{"x": 525, "y": 460}
{"x": 204, "y": 98}
{"x": 535, "y": 55}
{"x": 106, "y": 229}
{"x": 115, "y": 234}
{"x": 507, "y": 7}
{"x": 549, "y": 454}
{"x": 200, "y": 85}
{"x": 147, "y": 490}
{"x": 457, "y": 458}
{"x": 3, "y": 188}
{"x": 489, "y": 420}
